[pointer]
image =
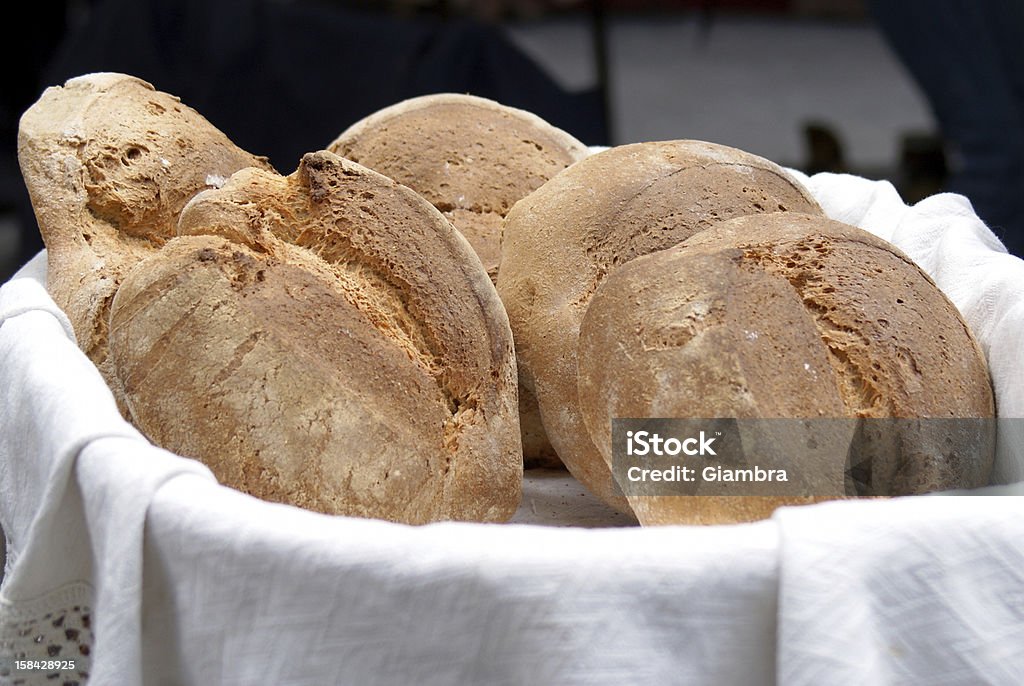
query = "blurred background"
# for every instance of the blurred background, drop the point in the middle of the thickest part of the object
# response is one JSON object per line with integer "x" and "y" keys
{"x": 927, "y": 94}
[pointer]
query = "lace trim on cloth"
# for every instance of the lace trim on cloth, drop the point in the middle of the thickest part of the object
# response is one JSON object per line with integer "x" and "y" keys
{"x": 47, "y": 640}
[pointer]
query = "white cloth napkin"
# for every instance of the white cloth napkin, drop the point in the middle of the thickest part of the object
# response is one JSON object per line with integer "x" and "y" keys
{"x": 76, "y": 481}
{"x": 908, "y": 591}
{"x": 258, "y": 593}
{"x": 192, "y": 583}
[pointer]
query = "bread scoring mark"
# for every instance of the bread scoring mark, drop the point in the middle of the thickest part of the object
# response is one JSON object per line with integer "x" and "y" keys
{"x": 237, "y": 358}
{"x": 463, "y": 412}
{"x": 368, "y": 277}
{"x": 376, "y": 292}
{"x": 849, "y": 349}
{"x": 750, "y": 188}
{"x": 153, "y": 292}
{"x": 133, "y": 378}
{"x": 96, "y": 347}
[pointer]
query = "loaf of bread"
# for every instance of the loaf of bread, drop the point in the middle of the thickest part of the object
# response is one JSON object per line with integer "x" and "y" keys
{"x": 470, "y": 157}
{"x": 473, "y": 159}
{"x": 789, "y": 315}
{"x": 329, "y": 339}
{"x": 325, "y": 339}
{"x": 564, "y": 238}
{"x": 109, "y": 162}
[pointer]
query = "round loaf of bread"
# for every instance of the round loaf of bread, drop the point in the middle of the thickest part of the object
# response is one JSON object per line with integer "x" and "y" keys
{"x": 564, "y": 238}
{"x": 109, "y": 163}
{"x": 470, "y": 157}
{"x": 473, "y": 159}
{"x": 328, "y": 340}
{"x": 788, "y": 315}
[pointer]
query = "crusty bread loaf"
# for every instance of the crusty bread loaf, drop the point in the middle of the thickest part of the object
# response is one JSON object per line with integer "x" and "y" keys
{"x": 473, "y": 159}
{"x": 470, "y": 157}
{"x": 109, "y": 162}
{"x": 325, "y": 339}
{"x": 563, "y": 239}
{"x": 787, "y": 315}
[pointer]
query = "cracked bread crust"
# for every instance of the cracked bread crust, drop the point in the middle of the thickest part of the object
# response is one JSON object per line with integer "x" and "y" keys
{"x": 564, "y": 238}
{"x": 326, "y": 339}
{"x": 897, "y": 345}
{"x": 109, "y": 163}
{"x": 786, "y": 315}
{"x": 473, "y": 159}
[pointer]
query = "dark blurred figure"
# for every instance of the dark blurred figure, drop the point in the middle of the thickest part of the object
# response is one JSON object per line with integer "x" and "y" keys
{"x": 25, "y": 50}
{"x": 282, "y": 78}
{"x": 967, "y": 55}
{"x": 824, "y": 149}
{"x": 923, "y": 167}
{"x": 40, "y": 28}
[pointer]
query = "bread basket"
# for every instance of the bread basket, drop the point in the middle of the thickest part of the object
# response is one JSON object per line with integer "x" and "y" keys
{"x": 135, "y": 566}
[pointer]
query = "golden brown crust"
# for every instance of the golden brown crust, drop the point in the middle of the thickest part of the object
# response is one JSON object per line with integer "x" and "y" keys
{"x": 898, "y": 346}
{"x": 109, "y": 163}
{"x": 341, "y": 335}
{"x": 473, "y": 159}
{"x": 563, "y": 239}
{"x": 785, "y": 315}
{"x": 470, "y": 157}
{"x": 325, "y": 339}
